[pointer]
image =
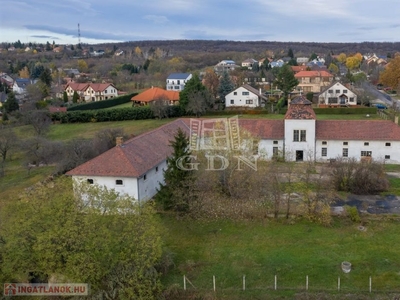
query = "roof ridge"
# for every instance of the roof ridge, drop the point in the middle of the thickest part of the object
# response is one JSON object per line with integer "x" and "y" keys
{"x": 155, "y": 129}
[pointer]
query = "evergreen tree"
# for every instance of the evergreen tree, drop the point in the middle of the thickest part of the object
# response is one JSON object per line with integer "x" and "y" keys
{"x": 75, "y": 97}
{"x": 65, "y": 97}
{"x": 285, "y": 80}
{"x": 290, "y": 53}
{"x": 176, "y": 179}
{"x": 11, "y": 104}
{"x": 192, "y": 86}
{"x": 225, "y": 86}
{"x": 45, "y": 77}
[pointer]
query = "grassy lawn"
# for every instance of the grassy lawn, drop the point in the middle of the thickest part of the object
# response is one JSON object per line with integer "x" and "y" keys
{"x": 262, "y": 249}
{"x": 125, "y": 105}
{"x": 88, "y": 130}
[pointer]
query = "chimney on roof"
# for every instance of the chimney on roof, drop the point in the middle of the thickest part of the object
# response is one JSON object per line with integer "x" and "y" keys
{"x": 118, "y": 141}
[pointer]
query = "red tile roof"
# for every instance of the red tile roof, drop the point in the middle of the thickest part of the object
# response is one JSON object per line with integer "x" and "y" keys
{"x": 312, "y": 74}
{"x": 264, "y": 129}
{"x": 156, "y": 93}
{"x": 368, "y": 130}
{"x": 134, "y": 157}
{"x": 300, "y": 109}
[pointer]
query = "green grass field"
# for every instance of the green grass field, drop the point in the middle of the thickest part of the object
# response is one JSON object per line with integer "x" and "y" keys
{"x": 262, "y": 249}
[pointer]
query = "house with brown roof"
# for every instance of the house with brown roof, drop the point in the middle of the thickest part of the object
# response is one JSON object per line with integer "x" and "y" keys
{"x": 91, "y": 91}
{"x": 154, "y": 94}
{"x": 135, "y": 167}
{"x": 337, "y": 94}
{"x": 313, "y": 81}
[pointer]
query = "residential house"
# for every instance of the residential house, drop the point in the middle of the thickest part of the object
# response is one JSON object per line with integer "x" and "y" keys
{"x": 225, "y": 65}
{"x": 245, "y": 96}
{"x": 313, "y": 81}
{"x": 277, "y": 63}
{"x": 72, "y": 73}
{"x": 91, "y": 91}
{"x": 6, "y": 79}
{"x": 135, "y": 167}
{"x": 177, "y": 81}
{"x": 302, "y": 60}
{"x": 248, "y": 63}
{"x": 337, "y": 94}
{"x": 20, "y": 85}
{"x": 155, "y": 93}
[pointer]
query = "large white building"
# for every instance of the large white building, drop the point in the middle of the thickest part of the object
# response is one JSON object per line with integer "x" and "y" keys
{"x": 136, "y": 166}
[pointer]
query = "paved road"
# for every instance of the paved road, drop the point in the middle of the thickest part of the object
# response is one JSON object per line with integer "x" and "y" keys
{"x": 380, "y": 95}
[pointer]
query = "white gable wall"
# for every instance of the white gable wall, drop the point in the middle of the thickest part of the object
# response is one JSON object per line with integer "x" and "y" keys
{"x": 148, "y": 186}
{"x": 292, "y": 146}
{"x": 241, "y": 97}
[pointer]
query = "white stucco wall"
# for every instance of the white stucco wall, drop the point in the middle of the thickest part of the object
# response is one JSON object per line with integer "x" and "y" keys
{"x": 308, "y": 146}
{"x": 128, "y": 187}
{"x": 240, "y": 100}
{"x": 148, "y": 187}
{"x": 266, "y": 148}
{"x": 378, "y": 148}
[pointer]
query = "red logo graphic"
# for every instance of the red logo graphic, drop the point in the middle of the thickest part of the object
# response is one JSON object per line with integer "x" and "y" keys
{"x": 10, "y": 289}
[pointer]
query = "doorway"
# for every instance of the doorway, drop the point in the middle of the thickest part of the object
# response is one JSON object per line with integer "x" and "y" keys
{"x": 299, "y": 155}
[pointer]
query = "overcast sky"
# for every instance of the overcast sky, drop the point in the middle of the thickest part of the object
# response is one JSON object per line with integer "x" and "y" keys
{"x": 237, "y": 20}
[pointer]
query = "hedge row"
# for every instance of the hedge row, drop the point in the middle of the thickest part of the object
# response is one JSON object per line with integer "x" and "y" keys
{"x": 237, "y": 112}
{"x": 103, "y": 103}
{"x": 345, "y": 111}
{"x": 117, "y": 114}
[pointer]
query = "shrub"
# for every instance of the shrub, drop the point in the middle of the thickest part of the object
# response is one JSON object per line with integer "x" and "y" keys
{"x": 353, "y": 214}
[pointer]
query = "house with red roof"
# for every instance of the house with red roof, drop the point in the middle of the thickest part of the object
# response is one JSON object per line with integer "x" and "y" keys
{"x": 154, "y": 94}
{"x": 135, "y": 167}
{"x": 313, "y": 81}
{"x": 88, "y": 92}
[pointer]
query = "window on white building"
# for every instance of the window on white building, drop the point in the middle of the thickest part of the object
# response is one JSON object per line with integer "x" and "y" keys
{"x": 351, "y": 99}
{"x": 388, "y": 144}
{"x": 145, "y": 177}
{"x": 275, "y": 142}
{"x": 119, "y": 182}
{"x": 324, "y": 151}
{"x": 337, "y": 91}
{"x": 366, "y": 143}
{"x": 299, "y": 135}
{"x": 156, "y": 169}
{"x": 344, "y": 91}
{"x": 249, "y": 101}
{"x": 235, "y": 93}
{"x": 324, "y": 142}
{"x": 330, "y": 91}
{"x": 345, "y": 152}
{"x": 232, "y": 101}
{"x": 366, "y": 153}
{"x": 275, "y": 151}
{"x": 345, "y": 143}
{"x": 245, "y": 93}
{"x": 90, "y": 181}
{"x": 387, "y": 156}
